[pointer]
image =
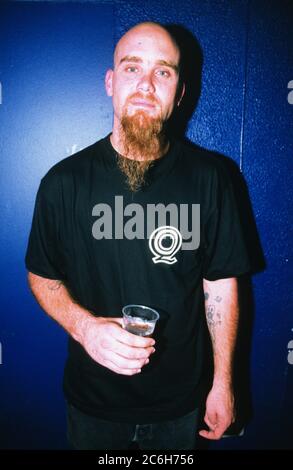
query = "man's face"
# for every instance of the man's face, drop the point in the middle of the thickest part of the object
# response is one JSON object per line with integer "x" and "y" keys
{"x": 145, "y": 76}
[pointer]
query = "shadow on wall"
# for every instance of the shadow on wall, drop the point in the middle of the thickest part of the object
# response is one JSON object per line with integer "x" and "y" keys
{"x": 191, "y": 74}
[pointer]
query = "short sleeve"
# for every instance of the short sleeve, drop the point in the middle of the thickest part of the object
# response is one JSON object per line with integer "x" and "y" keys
{"x": 225, "y": 253}
{"x": 43, "y": 256}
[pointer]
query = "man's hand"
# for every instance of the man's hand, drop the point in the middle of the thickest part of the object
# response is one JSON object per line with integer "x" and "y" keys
{"x": 110, "y": 345}
{"x": 104, "y": 339}
{"x": 219, "y": 412}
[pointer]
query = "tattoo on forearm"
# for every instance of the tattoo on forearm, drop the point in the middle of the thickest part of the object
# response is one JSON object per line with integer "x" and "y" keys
{"x": 213, "y": 319}
{"x": 207, "y": 296}
{"x": 54, "y": 285}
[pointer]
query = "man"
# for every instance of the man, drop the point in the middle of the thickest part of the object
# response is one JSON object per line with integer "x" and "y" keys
{"x": 91, "y": 251}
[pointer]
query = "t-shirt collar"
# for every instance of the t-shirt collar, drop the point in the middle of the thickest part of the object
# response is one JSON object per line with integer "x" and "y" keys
{"x": 159, "y": 167}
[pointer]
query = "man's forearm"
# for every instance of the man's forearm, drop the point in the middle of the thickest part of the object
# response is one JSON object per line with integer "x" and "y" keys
{"x": 55, "y": 299}
{"x": 103, "y": 338}
{"x": 222, "y": 312}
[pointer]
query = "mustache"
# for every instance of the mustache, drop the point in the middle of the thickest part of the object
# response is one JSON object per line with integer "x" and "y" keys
{"x": 139, "y": 96}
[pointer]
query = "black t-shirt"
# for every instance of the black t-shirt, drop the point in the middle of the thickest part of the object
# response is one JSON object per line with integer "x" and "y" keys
{"x": 82, "y": 207}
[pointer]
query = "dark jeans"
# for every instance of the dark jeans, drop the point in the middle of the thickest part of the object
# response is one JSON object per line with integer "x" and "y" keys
{"x": 90, "y": 433}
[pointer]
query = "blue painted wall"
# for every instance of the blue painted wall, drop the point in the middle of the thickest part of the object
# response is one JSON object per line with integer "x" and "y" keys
{"x": 53, "y": 103}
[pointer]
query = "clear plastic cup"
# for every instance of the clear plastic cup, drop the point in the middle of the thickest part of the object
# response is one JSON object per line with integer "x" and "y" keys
{"x": 139, "y": 319}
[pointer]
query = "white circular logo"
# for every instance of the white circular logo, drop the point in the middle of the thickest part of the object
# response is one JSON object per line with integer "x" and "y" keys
{"x": 164, "y": 253}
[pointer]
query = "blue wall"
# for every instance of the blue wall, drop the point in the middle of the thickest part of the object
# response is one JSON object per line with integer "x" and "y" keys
{"x": 53, "y": 103}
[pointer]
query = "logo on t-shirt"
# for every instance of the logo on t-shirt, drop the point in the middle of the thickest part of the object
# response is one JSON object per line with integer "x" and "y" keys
{"x": 164, "y": 242}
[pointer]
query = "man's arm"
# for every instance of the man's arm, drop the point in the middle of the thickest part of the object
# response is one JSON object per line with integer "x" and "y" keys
{"x": 103, "y": 338}
{"x": 221, "y": 307}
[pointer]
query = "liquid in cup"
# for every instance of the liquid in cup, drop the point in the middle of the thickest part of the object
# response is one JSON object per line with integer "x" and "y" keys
{"x": 139, "y": 319}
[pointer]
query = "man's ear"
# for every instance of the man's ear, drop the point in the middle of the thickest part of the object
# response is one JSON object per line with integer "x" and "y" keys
{"x": 181, "y": 93}
{"x": 109, "y": 82}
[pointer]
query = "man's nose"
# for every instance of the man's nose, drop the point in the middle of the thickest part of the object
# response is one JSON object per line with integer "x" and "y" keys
{"x": 146, "y": 83}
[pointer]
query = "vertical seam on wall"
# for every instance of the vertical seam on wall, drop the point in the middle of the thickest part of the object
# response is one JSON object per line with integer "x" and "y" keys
{"x": 115, "y": 7}
{"x": 244, "y": 86}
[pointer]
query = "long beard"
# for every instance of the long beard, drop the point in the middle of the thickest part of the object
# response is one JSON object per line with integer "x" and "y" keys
{"x": 142, "y": 139}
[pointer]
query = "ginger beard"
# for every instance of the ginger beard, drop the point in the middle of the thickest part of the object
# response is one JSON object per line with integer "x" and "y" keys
{"x": 143, "y": 140}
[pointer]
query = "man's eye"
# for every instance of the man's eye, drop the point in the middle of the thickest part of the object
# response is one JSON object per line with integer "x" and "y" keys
{"x": 131, "y": 69}
{"x": 163, "y": 73}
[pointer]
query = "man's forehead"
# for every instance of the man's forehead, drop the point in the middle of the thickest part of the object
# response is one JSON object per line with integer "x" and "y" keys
{"x": 147, "y": 41}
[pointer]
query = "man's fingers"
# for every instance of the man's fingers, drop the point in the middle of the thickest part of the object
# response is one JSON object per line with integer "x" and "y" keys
{"x": 117, "y": 320}
{"x": 128, "y": 372}
{"x": 112, "y": 344}
{"x": 212, "y": 435}
{"x": 122, "y": 335}
{"x": 121, "y": 370}
{"x": 211, "y": 422}
{"x": 123, "y": 363}
{"x": 216, "y": 430}
{"x": 129, "y": 352}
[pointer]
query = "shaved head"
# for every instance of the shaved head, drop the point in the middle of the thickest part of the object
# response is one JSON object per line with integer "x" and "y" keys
{"x": 148, "y": 28}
